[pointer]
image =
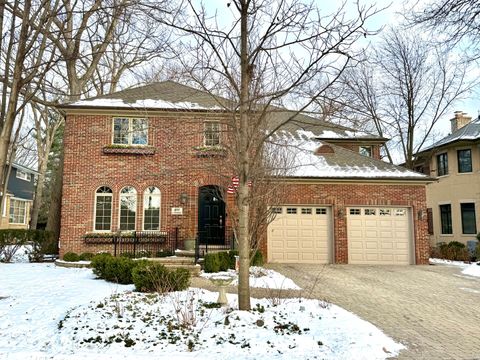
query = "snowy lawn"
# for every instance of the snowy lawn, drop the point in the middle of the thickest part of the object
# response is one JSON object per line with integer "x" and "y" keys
{"x": 59, "y": 313}
{"x": 472, "y": 269}
{"x": 259, "y": 278}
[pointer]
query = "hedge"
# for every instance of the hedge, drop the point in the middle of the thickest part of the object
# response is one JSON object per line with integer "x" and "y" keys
{"x": 42, "y": 242}
{"x": 222, "y": 261}
{"x": 149, "y": 276}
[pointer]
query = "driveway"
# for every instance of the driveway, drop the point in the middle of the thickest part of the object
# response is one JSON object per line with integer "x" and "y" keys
{"x": 433, "y": 310}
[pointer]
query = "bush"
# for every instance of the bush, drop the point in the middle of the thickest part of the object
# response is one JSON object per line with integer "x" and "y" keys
{"x": 99, "y": 263}
{"x": 149, "y": 276}
{"x": 454, "y": 250}
{"x": 477, "y": 251}
{"x": 118, "y": 270}
{"x": 43, "y": 243}
{"x": 86, "y": 256}
{"x": 71, "y": 257}
{"x": 164, "y": 253}
{"x": 211, "y": 263}
{"x": 222, "y": 261}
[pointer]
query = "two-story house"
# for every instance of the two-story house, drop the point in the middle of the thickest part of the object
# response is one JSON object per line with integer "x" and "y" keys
{"x": 454, "y": 200}
{"x": 20, "y": 192}
{"x": 147, "y": 159}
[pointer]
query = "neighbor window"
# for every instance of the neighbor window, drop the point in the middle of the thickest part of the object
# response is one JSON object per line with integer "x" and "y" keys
{"x": 211, "y": 133}
{"x": 365, "y": 150}
{"x": 130, "y": 131}
{"x": 18, "y": 211}
{"x": 103, "y": 209}
{"x": 23, "y": 175}
{"x": 464, "y": 160}
{"x": 151, "y": 209}
{"x": 442, "y": 164}
{"x": 446, "y": 218}
{"x": 469, "y": 225}
{"x": 128, "y": 208}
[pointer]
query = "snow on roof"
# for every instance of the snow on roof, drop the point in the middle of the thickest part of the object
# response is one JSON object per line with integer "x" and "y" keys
{"x": 143, "y": 103}
{"x": 470, "y": 132}
{"x": 300, "y": 160}
{"x": 345, "y": 134}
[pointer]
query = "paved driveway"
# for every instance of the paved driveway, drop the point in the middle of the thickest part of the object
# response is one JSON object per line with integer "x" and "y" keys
{"x": 433, "y": 310}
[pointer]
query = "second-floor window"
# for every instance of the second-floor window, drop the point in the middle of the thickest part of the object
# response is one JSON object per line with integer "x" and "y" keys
{"x": 130, "y": 131}
{"x": 464, "y": 160}
{"x": 442, "y": 164}
{"x": 211, "y": 133}
{"x": 446, "y": 218}
{"x": 365, "y": 150}
{"x": 23, "y": 175}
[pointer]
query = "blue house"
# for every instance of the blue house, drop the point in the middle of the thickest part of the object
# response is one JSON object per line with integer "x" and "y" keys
{"x": 20, "y": 192}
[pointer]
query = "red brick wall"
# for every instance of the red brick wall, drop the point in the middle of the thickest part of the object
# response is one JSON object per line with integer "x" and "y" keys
{"x": 175, "y": 169}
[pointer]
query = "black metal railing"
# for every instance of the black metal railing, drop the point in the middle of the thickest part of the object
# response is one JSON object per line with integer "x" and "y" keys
{"x": 210, "y": 241}
{"x": 138, "y": 243}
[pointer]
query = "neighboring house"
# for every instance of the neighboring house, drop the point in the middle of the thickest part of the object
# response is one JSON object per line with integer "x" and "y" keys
{"x": 136, "y": 161}
{"x": 20, "y": 191}
{"x": 454, "y": 200}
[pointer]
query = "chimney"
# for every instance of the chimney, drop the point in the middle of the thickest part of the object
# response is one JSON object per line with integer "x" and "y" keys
{"x": 460, "y": 120}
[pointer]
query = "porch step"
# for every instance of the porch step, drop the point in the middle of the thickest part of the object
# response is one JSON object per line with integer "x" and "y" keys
{"x": 175, "y": 260}
{"x": 193, "y": 269}
{"x": 185, "y": 253}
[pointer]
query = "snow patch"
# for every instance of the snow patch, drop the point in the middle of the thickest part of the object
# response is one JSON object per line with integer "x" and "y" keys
{"x": 144, "y": 103}
{"x": 472, "y": 270}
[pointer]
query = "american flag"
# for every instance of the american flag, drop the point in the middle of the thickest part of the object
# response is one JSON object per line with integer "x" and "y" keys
{"x": 232, "y": 188}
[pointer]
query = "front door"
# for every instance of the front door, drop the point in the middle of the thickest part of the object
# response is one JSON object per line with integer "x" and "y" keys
{"x": 211, "y": 216}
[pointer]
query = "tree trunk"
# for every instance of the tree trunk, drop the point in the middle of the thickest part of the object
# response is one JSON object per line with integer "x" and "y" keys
{"x": 37, "y": 201}
{"x": 54, "y": 215}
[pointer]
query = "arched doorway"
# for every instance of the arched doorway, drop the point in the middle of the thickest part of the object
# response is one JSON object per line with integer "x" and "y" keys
{"x": 211, "y": 215}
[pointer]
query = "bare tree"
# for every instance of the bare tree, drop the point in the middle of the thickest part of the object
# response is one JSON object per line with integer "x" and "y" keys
{"x": 457, "y": 21}
{"x": 272, "y": 53}
{"x": 404, "y": 89}
{"x": 25, "y": 58}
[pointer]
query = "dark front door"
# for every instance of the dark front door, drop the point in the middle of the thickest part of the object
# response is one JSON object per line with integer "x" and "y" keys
{"x": 211, "y": 216}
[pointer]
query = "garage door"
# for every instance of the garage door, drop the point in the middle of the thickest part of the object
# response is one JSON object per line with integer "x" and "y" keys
{"x": 378, "y": 235}
{"x": 300, "y": 234}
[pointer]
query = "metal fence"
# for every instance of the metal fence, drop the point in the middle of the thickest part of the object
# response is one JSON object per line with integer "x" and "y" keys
{"x": 139, "y": 243}
{"x": 204, "y": 243}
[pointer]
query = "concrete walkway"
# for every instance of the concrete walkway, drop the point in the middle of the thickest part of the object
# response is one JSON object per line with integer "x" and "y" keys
{"x": 433, "y": 310}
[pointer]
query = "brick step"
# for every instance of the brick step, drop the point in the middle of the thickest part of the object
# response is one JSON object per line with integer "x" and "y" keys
{"x": 194, "y": 269}
{"x": 175, "y": 260}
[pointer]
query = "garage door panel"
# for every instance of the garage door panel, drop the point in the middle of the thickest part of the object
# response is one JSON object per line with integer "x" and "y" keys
{"x": 300, "y": 237}
{"x": 379, "y": 236}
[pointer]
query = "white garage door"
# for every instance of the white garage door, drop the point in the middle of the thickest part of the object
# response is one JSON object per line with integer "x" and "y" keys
{"x": 379, "y": 235}
{"x": 300, "y": 234}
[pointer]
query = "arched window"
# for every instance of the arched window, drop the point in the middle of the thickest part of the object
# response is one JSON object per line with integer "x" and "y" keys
{"x": 151, "y": 208}
{"x": 128, "y": 208}
{"x": 103, "y": 209}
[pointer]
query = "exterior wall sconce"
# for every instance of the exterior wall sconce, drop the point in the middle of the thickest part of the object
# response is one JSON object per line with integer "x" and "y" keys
{"x": 422, "y": 214}
{"x": 183, "y": 198}
{"x": 340, "y": 213}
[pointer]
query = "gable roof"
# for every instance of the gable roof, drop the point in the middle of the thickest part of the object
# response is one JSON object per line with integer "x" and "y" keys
{"x": 469, "y": 132}
{"x": 169, "y": 95}
{"x": 305, "y": 162}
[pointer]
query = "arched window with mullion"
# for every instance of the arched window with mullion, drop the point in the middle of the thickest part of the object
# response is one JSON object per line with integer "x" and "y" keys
{"x": 151, "y": 209}
{"x": 103, "y": 209}
{"x": 128, "y": 208}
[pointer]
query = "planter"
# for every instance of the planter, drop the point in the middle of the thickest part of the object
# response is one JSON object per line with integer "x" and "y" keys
{"x": 189, "y": 244}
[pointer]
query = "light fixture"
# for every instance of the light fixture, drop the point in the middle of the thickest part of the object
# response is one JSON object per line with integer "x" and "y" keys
{"x": 183, "y": 198}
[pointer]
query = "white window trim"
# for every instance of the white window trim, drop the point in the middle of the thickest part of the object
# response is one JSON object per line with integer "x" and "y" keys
{"x": 27, "y": 178}
{"x": 130, "y": 131}
{"x": 95, "y": 211}
{"x": 24, "y": 214}
{"x": 159, "y": 210}
{"x": 219, "y": 133}
{"x": 120, "y": 207}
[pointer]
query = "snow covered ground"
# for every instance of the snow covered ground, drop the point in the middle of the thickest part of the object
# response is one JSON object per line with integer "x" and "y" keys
{"x": 472, "y": 269}
{"x": 49, "y": 312}
{"x": 259, "y": 278}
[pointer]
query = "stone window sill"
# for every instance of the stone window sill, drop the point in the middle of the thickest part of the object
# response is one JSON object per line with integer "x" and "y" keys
{"x": 129, "y": 150}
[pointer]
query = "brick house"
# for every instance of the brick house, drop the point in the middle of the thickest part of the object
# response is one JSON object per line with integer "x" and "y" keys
{"x": 147, "y": 159}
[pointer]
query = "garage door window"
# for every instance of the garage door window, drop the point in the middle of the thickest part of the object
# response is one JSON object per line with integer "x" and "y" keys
{"x": 277, "y": 210}
{"x": 355, "y": 212}
{"x": 320, "y": 211}
{"x": 385, "y": 212}
{"x": 400, "y": 212}
{"x": 307, "y": 211}
{"x": 291, "y": 210}
{"x": 370, "y": 212}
